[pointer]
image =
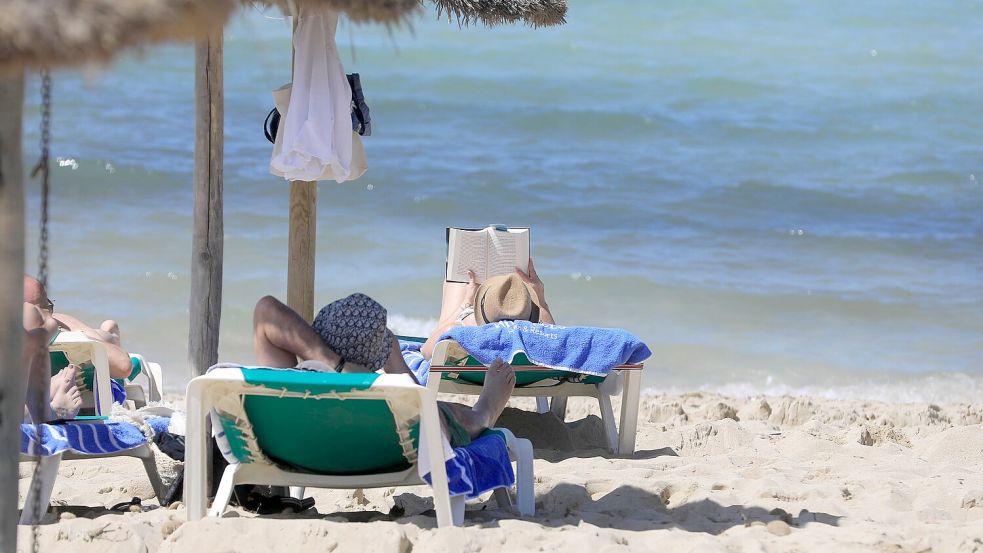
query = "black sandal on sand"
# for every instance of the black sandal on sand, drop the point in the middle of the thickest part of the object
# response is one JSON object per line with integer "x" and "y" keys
{"x": 125, "y": 506}
{"x": 275, "y": 504}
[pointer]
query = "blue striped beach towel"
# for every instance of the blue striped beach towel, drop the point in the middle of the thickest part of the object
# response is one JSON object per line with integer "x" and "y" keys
{"x": 87, "y": 438}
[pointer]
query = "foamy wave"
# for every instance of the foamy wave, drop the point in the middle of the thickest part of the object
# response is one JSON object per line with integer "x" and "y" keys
{"x": 411, "y": 326}
{"x": 934, "y": 388}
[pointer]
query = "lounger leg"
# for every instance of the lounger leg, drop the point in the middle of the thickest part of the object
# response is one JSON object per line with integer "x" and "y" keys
{"x": 146, "y": 454}
{"x": 525, "y": 493}
{"x": 457, "y": 510}
{"x": 607, "y": 415}
{"x": 47, "y": 474}
{"x": 196, "y": 454}
{"x": 559, "y": 407}
{"x": 629, "y": 412}
{"x": 542, "y": 404}
{"x": 430, "y": 427}
{"x": 224, "y": 492}
{"x": 297, "y": 492}
{"x": 503, "y": 499}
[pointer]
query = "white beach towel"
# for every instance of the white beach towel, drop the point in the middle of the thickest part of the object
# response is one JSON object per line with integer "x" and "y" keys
{"x": 315, "y": 140}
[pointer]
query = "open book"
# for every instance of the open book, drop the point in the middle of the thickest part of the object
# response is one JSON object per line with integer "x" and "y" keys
{"x": 489, "y": 252}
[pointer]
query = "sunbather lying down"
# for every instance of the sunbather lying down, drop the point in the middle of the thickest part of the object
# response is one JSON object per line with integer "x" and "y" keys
{"x": 61, "y": 399}
{"x": 518, "y": 296}
{"x": 350, "y": 335}
{"x": 108, "y": 331}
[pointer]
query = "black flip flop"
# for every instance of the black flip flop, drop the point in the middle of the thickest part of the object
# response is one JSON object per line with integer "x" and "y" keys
{"x": 124, "y": 507}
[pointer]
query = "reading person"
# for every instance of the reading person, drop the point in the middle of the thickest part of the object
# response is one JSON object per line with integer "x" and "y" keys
{"x": 350, "y": 335}
{"x": 517, "y": 296}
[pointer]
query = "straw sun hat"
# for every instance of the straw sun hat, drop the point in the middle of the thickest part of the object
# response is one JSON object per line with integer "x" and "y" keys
{"x": 504, "y": 298}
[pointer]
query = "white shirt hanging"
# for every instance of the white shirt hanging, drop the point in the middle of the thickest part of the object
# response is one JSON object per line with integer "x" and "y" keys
{"x": 315, "y": 140}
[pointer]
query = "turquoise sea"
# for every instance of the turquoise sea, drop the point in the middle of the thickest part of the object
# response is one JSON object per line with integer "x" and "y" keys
{"x": 777, "y": 196}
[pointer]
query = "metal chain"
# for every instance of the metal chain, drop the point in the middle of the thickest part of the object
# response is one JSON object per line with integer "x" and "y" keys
{"x": 43, "y": 169}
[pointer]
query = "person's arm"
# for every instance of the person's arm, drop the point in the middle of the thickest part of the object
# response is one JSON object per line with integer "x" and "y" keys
{"x": 538, "y": 292}
{"x": 395, "y": 364}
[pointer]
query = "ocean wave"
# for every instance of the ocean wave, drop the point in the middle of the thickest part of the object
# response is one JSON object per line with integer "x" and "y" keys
{"x": 939, "y": 388}
{"x": 411, "y": 326}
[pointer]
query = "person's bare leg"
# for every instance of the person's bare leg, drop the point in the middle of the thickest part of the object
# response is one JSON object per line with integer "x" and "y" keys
{"x": 495, "y": 394}
{"x": 281, "y": 337}
{"x": 120, "y": 365}
{"x": 395, "y": 364}
{"x": 451, "y": 300}
{"x": 111, "y": 330}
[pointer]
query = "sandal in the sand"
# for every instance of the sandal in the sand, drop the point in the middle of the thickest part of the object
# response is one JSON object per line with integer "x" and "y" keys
{"x": 125, "y": 506}
{"x": 276, "y": 504}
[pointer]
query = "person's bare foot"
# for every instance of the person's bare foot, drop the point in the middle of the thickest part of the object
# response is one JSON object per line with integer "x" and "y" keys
{"x": 111, "y": 327}
{"x": 66, "y": 399}
{"x": 495, "y": 393}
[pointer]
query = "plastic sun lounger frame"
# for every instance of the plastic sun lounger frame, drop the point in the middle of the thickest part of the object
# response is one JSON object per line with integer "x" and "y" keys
{"x": 450, "y": 361}
{"x": 48, "y": 473}
{"x": 226, "y": 395}
{"x": 79, "y": 348}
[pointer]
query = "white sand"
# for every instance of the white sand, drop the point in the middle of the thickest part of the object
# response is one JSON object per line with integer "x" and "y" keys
{"x": 711, "y": 474}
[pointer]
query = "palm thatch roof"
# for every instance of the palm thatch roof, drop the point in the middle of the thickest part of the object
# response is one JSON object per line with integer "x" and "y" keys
{"x": 37, "y": 33}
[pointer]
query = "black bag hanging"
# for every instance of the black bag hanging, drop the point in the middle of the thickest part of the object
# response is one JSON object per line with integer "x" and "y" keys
{"x": 361, "y": 121}
{"x": 271, "y": 124}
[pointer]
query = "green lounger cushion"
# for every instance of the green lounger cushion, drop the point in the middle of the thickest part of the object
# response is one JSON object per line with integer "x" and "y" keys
{"x": 324, "y": 436}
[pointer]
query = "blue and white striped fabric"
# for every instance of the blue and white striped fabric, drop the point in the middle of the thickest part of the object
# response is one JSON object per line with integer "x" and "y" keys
{"x": 88, "y": 438}
{"x": 418, "y": 365}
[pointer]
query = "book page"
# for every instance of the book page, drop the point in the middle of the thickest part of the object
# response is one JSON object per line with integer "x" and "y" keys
{"x": 507, "y": 250}
{"x": 466, "y": 249}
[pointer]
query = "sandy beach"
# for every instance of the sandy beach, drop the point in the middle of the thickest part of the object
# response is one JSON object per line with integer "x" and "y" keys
{"x": 711, "y": 473}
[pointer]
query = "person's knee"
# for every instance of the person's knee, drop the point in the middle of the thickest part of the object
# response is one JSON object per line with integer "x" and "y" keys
{"x": 266, "y": 310}
{"x": 33, "y": 291}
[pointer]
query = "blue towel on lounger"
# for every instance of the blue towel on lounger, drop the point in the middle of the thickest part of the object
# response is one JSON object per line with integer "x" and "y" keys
{"x": 413, "y": 357}
{"x": 480, "y": 466}
{"x": 579, "y": 349}
{"x": 90, "y": 438}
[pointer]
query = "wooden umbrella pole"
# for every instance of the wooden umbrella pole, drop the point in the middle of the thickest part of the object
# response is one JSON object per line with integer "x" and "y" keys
{"x": 12, "y": 392}
{"x": 301, "y": 239}
{"x": 207, "y": 249}
{"x": 301, "y": 246}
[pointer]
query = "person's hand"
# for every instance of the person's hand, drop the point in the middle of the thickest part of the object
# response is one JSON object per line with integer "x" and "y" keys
{"x": 534, "y": 284}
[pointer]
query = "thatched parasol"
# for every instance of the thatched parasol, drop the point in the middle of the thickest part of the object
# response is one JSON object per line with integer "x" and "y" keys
{"x": 71, "y": 32}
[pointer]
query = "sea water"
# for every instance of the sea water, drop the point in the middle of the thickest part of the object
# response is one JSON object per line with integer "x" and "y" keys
{"x": 778, "y": 197}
